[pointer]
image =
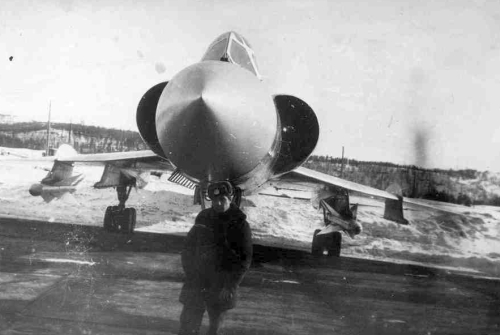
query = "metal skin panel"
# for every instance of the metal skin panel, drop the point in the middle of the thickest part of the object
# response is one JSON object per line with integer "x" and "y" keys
{"x": 216, "y": 121}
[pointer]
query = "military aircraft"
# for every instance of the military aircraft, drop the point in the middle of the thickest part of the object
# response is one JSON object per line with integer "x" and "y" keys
{"x": 215, "y": 122}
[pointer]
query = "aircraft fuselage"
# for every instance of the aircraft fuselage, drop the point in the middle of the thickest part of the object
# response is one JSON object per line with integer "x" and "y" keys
{"x": 216, "y": 121}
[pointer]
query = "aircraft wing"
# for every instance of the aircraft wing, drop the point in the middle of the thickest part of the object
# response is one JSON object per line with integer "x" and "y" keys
{"x": 328, "y": 187}
{"x": 134, "y": 166}
{"x": 315, "y": 176}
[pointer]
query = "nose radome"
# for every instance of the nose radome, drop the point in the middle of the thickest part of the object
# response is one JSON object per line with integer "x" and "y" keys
{"x": 215, "y": 121}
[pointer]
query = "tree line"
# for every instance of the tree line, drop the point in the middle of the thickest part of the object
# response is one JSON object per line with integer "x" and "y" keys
{"x": 85, "y": 139}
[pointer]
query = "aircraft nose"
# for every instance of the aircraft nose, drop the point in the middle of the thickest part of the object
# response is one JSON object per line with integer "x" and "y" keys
{"x": 216, "y": 121}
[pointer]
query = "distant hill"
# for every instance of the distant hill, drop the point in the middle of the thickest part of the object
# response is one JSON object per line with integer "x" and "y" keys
{"x": 85, "y": 139}
{"x": 457, "y": 186}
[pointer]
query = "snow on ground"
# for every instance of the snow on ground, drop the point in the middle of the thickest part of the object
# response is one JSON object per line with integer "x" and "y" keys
{"x": 16, "y": 153}
{"x": 468, "y": 239}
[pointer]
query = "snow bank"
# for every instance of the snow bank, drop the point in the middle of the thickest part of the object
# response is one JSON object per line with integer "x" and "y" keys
{"x": 470, "y": 238}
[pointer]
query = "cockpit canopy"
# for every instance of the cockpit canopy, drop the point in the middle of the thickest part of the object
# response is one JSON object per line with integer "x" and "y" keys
{"x": 232, "y": 47}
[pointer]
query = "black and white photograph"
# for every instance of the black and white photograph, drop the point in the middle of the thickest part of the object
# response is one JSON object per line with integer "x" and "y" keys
{"x": 249, "y": 167}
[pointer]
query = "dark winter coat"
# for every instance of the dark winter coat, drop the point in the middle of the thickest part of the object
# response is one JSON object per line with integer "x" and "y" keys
{"x": 217, "y": 253}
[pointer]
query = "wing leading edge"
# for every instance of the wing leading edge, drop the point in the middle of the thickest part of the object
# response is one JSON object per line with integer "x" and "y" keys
{"x": 312, "y": 175}
{"x": 144, "y": 155}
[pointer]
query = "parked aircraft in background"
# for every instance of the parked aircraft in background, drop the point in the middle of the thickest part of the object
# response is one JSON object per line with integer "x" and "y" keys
{"x": 215, "y": 122}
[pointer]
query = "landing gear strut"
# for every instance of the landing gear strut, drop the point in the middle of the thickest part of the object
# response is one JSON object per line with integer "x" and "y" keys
{"x": 119, "y": 218}
{"x": 336, "y": 211}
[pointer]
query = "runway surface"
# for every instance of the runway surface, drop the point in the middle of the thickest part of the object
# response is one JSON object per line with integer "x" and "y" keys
{"x": 68, "y": 279}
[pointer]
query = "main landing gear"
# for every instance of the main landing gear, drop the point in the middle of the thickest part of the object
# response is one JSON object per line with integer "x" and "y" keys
{"x": 119, "y": 218}
{"x": 338, "y": 215}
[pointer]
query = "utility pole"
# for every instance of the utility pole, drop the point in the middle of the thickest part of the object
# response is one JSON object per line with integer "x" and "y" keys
{"x": 48, "y": 131}
{"x": 70, "y": 131}
{"x": 414, "y": 188}
{"x": 342, "y": 164}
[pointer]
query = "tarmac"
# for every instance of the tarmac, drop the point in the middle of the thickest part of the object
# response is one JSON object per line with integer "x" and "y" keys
{"x": 58, "y": 278}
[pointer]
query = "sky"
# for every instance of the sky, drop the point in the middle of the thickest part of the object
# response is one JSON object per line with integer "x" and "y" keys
{"x": 402, "y": 81}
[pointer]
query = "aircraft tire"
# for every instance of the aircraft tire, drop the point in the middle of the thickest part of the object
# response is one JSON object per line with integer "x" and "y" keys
{"x": 316, "y": 248}
{"x": 335, "y": 244}
{"x": 326, "y": 245}
{"x": 135, "y": 219}
{"x": 108, "y": 219}
{"x": 130, "y": 215}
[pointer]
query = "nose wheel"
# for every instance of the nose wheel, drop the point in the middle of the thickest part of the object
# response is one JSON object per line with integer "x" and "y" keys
{"x": 120, "y": 219}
